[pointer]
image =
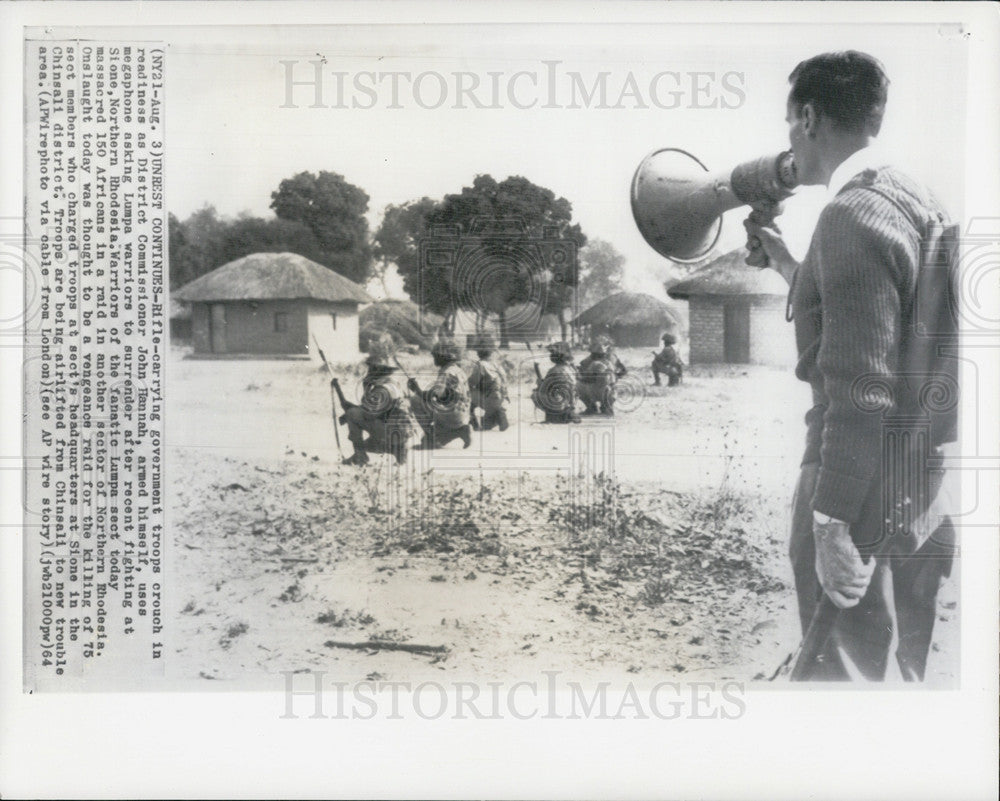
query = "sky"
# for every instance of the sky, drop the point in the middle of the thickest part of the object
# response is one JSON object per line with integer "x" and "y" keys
{"x": 230, "y": 142}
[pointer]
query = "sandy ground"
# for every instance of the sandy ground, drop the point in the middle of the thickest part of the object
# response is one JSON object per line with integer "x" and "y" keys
{"x": 648, "y": 546}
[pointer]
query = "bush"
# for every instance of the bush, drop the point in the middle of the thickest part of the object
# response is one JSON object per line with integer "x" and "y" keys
{"x": 404, "y": 321}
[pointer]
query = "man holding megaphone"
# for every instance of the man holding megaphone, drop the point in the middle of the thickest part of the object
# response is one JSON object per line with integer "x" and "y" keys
{"x": 870, "y": 544}
{"x": 852, "y": 300}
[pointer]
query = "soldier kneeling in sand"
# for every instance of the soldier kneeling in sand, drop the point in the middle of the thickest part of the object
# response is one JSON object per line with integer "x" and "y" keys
{"x": 488, "y": 387}
{"x": 556, "y": 393}
{"x": 443, "y": 410}
{"x": 667, "y": 362}
{"x": 599, "y": 373}
{"x": 384, "y": 412}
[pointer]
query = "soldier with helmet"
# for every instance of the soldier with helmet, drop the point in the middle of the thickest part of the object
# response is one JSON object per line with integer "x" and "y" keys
{"x": 668, "y": 362}
{"x": 556, "y": 393}
{"x": 488, "y": 387}
{"x": 384, "y": 413}
{"x": 598, "y": 374}
{"x": 443, "y": 410}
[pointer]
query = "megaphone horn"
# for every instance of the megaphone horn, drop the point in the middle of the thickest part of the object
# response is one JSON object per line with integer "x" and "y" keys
{"x": 678, "y": 205}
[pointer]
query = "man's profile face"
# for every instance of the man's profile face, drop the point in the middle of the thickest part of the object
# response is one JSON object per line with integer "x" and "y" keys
{"x": 804, "y": 149}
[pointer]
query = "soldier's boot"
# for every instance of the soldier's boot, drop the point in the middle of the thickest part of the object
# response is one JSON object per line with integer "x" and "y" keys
{"x": 502, "y": 422}
{"x": 442, "y": 438}
{"x": 360, "y": 456}
{"x": 590, "y": 408}
{"x": 608, "y": 409}
{"x": 474, "y": 421}
{"x": 656, "y": 379}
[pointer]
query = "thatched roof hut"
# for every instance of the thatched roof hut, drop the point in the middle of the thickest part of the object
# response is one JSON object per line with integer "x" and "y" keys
{"x": 737, "y": 313}
{"x": 730, "y": 275}
{"x": 274, "y": 304}
{"x": 631, "y": 319}
{"x": 273, "y": 276}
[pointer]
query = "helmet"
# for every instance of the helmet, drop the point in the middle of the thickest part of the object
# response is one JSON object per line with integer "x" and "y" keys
{"x": 484, "y": 342}
{"x": 381, "y": 350}
{"x": 446, "y": 348}
{"x": 560, "y": 350}
{"x": 600, "y": 343}
{"x": 669, "y": 339}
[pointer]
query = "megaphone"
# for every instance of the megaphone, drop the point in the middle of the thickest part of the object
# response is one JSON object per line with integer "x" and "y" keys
{"x": 678, "y": 205}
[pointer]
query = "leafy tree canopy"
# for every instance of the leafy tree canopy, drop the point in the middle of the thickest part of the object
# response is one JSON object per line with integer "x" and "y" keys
{"x": 334, "y": 211}
{"x": 319, "y": 216}
{"x": 504, "y": 279}
{"x": 601, "y": 271}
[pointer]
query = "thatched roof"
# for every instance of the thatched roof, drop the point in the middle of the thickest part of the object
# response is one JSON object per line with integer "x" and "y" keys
{"x": 178, "y": 309}
{"x": 729, "y": 275}
{"x": 628, "y": 308}
{"x": 272, "y": 276}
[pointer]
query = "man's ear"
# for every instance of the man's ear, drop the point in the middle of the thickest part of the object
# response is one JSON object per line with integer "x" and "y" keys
{"x": 810, "y": 119}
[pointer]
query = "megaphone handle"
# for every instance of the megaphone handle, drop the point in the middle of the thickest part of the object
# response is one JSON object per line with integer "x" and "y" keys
{"x": 762, "y": 215}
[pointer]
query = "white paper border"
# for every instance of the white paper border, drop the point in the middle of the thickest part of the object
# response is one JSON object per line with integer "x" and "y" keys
{"x": 789, "y": 745}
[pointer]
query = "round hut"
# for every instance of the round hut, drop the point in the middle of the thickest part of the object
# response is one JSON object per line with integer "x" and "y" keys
{"x": 736, "y": 313}
{"x": 631, "y": 319}
{"x": 274, "y": 305}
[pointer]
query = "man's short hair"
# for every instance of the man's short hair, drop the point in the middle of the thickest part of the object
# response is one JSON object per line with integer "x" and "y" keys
{"x": 849, "y": 87}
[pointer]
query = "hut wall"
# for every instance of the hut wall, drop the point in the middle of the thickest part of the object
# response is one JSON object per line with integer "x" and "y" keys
{"x": 706, "y": 329}
{"x": 340, "y": 341}
{"x": 250, "y": 328}
{"x": 772, "y": 340}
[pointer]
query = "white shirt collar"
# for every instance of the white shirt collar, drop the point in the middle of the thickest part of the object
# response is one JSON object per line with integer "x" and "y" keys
{"x": 859, "y": 161}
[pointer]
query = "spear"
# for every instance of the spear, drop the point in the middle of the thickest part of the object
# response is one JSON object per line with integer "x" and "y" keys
{"x": 334, "y": 388}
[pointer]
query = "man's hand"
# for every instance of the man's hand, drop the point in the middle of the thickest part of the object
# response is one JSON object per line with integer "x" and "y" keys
{"x": 842, "y": 573}
{"x": 767, "y": 248}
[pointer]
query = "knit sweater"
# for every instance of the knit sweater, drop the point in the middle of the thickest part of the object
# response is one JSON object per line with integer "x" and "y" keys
{"x": 851, "y": 302}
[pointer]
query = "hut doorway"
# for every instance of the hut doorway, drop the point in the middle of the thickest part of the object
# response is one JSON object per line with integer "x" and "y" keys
{"x": 217, "y": 326}
{"x": 736, "y": 333}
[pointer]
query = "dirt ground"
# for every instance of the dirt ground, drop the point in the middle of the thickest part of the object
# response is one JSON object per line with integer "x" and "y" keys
{"x": 649, "y": 546}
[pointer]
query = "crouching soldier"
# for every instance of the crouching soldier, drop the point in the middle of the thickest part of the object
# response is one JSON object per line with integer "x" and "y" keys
{"x": 556, "y": 393}
{"x": 443, "y": 410}
{"x": 598, "y": 374}
{"x": 488, "y": 388}
{"x": 667, "y": 362}
{"x": 384, "y": 413}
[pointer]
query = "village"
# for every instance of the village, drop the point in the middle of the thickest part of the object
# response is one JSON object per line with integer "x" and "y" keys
{"x": 652, "y": 542}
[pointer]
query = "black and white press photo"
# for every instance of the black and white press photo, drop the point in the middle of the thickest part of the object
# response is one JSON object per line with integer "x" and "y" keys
{"x": 627, "y": 369}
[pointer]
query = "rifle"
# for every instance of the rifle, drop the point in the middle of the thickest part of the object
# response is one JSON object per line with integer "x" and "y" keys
{"x": 334, "y": 385}
{"x": 797, "y": 665}
{"x": 345, "y": 404}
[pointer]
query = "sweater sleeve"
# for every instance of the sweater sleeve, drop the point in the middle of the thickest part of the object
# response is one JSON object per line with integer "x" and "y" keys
{"x": 859, "y": 348}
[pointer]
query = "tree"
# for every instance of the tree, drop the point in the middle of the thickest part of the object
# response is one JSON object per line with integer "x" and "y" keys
{"x": 195, "y": 245}
{"x": 205, "y": 241}
{"x": 502, "y": 277}
{"x": 601, "y": 271}
{"x": 398, "y": 237}
{"x": 334, "y": 211}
